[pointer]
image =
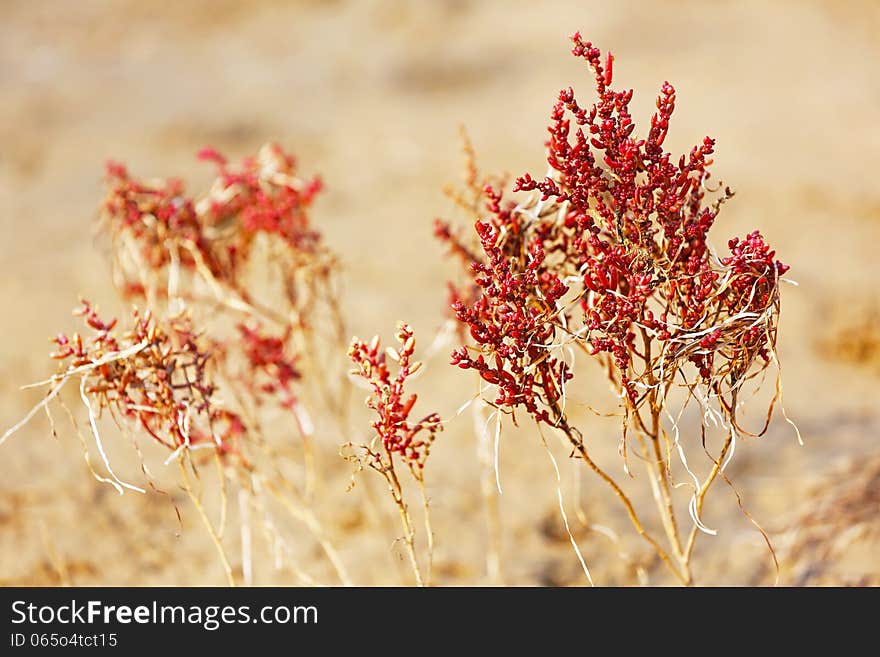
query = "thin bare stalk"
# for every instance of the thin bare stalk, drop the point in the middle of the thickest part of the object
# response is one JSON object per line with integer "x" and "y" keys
{"x": 197, "y": 503}
{"x": 224, "y": 495}
{"x": 310, "y": 466}
{"x": 578, "y": 444}
{"x": 247, "y": 564}
{"x": 428, "y": 531}
{"x": 405, "y": 519}
{"x": 307, "y": 517}
{"x": 658, "y": 467}
{"x": 489, "y": 493}
{"x": 704, "y": 489}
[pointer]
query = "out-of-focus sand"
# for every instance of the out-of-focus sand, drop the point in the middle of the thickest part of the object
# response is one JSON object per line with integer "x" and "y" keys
{"x": 370, "y": 95}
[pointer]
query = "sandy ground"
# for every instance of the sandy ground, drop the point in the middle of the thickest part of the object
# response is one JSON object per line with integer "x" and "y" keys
{"x": 370, "y": 95}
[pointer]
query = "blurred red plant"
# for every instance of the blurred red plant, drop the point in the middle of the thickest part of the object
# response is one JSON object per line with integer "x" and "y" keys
{"x": 199, "y": 265}
{"x": 169, "y": 245}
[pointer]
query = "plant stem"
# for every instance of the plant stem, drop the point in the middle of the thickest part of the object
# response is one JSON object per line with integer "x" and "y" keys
{"x": 428, "y": 530}
{"x": 197, "y": 503}
{"x": 630, "y": 510}
{"x": 489, "y": 494}
{"x": 307, "y": 517}
{"x": 704, "y": 489}
{"x": 659, "y": 468}
{"x": 405, "y": 519}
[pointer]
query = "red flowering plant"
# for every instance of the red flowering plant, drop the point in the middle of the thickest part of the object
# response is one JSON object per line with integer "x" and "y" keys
{"x": 160, "y": 234}
{"x": 247, "y": 245}
{"x": 214, "y": 331}
{"x": 269, "y": 372}
{"x": 397, "y": 438}
{"x": 609, "y": 255}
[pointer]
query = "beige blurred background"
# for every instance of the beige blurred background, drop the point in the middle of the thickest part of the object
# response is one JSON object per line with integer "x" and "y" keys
{"x": 370, "y": 95}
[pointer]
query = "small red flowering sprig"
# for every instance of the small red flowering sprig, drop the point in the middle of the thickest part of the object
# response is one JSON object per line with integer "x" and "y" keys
{"x": 261, "y": 196}
{"x": 514, "y": 321}
{"x": 154, "y": 377}
{"x": 397, "y": 437}
{"x": 618, "y": 228}
{"x": 270, "y": 371}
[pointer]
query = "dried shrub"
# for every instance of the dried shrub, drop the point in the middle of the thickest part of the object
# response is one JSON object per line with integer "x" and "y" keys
{"x": 153, "y": 375}
{"x": 246, "y": 247}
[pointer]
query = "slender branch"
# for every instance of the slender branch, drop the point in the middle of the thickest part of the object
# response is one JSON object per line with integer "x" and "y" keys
{"x": 659, "y": 466}
{"x": 197, "y": 503}
{"x": 578, "y": 444}
{"x": 489, "y": 493}
{"x": 405, "y": 519}
{"x": 428, "y": 531}
{"x": 307, "y": 517}
{"x": 704, "y": 489}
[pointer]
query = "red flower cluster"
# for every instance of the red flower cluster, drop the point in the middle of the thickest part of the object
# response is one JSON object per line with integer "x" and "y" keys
{"x": 513, "y": 321}
{"x": 152, "y": 215}
{"x": 270, "y": 365}
{"x": 261, "y": 196}
{"x": 155, "y": 375}
{"x": 621, "y": 228}
{"x": 411, "y": 440}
